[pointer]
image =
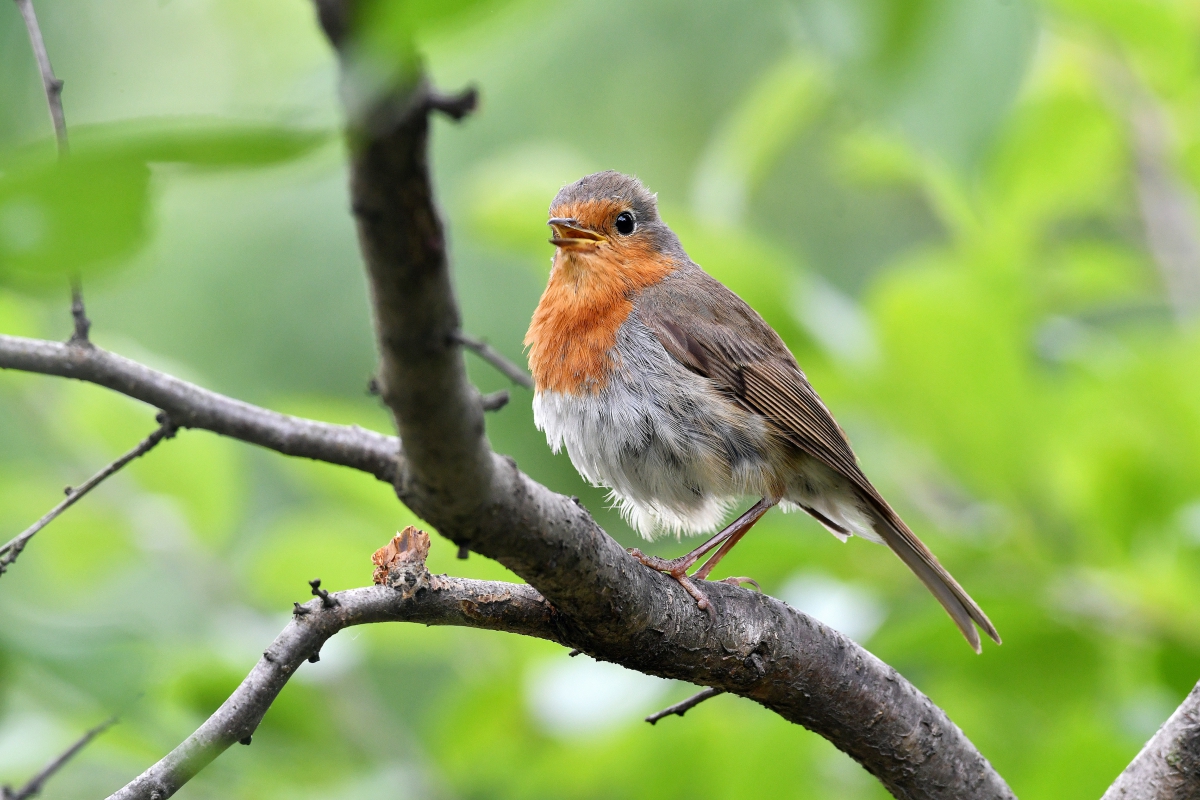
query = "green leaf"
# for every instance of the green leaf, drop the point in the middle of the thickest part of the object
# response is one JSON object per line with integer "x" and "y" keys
{"x": 91, "y": 210}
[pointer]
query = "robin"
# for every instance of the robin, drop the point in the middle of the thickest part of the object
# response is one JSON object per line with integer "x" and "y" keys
{"x": 667, "y": 388}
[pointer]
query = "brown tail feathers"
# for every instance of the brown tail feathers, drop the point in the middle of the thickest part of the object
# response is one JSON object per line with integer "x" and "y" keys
{"x": 965, "y": 612}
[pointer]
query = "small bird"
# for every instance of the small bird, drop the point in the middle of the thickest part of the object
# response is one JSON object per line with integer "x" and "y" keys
{"x": 668, "y": 389}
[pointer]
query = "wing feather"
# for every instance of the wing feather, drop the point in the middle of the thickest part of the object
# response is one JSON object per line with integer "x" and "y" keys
{"x": 713, "y": 332}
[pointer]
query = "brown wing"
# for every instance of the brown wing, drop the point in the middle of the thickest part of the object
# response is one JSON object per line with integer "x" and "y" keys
{"x": 712, "y": 332}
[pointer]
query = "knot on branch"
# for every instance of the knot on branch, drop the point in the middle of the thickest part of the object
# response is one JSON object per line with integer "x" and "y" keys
{"x": 400, "y": 563}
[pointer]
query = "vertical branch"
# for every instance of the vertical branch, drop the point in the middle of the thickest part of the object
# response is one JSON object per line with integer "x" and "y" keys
{"x": 83, "y": 325}
{"x": 421, "y": 377}
{"x": 51, "y": 84}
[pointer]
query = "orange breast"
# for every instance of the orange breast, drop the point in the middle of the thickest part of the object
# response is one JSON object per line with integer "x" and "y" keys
{"x": 575, "y": 325}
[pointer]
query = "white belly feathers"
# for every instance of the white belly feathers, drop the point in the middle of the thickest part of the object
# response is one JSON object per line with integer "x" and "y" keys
{"x": 673, "y": 451}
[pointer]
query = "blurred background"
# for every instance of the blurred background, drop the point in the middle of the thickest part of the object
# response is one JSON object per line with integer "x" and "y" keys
{"x": 973, "y": 221}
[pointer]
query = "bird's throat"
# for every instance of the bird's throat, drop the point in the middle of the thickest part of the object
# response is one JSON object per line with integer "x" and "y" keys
{"x": 588, "y": 298}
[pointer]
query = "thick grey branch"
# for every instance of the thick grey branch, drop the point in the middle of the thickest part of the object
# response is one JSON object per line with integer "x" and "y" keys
{"x": 489, "y": 605}
{"x": 190, "y": 406}
{"x": 10, "y": 551}
{"x": 1168, "y": 768}
{"x": 52, "y": 85}
{"x": 421, "y": 375}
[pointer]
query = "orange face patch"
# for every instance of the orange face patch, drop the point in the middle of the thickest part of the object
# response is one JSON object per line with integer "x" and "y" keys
{"x": 589, "y": 296}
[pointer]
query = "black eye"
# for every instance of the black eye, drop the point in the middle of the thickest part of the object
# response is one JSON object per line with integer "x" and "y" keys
{"x": 624, "y": 223}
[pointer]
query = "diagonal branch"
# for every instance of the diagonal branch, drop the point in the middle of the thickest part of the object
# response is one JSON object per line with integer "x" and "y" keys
{"x": 10, "y": 551}
{"x": 489, "y": 605}
{"x": 1168, "y": 768}
{"x": 52, "y": 85}
{"x": 685, "y": 706}
{"x": 35, "y": 784}
{"x": 494, "y": 357}
{"x": 190, "y": 406}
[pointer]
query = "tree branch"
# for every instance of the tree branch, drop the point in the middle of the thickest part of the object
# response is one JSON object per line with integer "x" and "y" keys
{"x": 611, "y": 606}
{"x": 36, "y": 783}
{"x": 190, "y": 406}
{"x": 494, "y": 357}
{"x": 79, "y": 336}
{"x": 686, "y": 706}
{"x": 433, "y": 600}
{"x": 1168, "y": 768}
{"x": 10, "y": 551}
{"x": 52, "y": 85}
{"x": 421, "y": 376}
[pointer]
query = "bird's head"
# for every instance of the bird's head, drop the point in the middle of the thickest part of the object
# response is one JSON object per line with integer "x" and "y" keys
{"x": 609, "y": 220}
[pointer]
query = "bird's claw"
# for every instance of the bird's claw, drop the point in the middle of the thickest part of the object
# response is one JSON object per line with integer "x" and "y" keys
{"x": 676, "y": 569}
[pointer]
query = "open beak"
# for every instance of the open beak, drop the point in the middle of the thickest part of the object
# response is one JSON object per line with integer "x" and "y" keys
{"x": 570, "y": 234}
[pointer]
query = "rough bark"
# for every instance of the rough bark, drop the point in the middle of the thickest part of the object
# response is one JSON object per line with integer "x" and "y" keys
{"x": 1168, "y": 768}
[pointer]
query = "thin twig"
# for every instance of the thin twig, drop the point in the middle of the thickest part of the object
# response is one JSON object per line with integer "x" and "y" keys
{"x": 37, "y": 781}
{"x": 454, "y": 106}
{"x": 83, "y": 325}
{"x": 491, "y": 355}
{"x": 51, "y": 84}
{"x": 495, "y": 401}
{"x": 686, "y": 705}
{"x": 10, "y": 551}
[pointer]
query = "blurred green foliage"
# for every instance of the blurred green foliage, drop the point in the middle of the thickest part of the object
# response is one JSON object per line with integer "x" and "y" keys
{"x": 937, "y": 205}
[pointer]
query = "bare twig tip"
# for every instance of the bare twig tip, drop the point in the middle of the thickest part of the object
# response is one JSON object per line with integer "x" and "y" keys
{"x": 680, "y": 709}
{"x": 326, "y": 600}
{"x": 455, "y": 106}
{"x": 495, "y": 401}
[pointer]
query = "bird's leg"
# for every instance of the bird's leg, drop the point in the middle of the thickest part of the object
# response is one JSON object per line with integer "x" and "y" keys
{"x": 677, "y": 567}
{"x": 742, "y": 526}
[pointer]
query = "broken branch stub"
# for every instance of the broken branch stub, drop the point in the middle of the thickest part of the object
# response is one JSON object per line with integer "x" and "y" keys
{"x": 400, "y": 563}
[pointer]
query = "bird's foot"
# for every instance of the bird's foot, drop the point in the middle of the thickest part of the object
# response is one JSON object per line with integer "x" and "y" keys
{"x": 676, "y": 568}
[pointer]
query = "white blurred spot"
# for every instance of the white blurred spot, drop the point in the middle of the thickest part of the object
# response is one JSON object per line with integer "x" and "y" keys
{"x": 339, "y": 655}
{"x": 29, "y": 740}
{"x": 579, "y": 696}
{"x": 854, "y": 610}
{"x": 159, "y": 524}
{"x": 1143, "y": 714}
{"x": 1189, "y": 521}
{"x": 835, "y": 320}
{"x": 22, "y": 226}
